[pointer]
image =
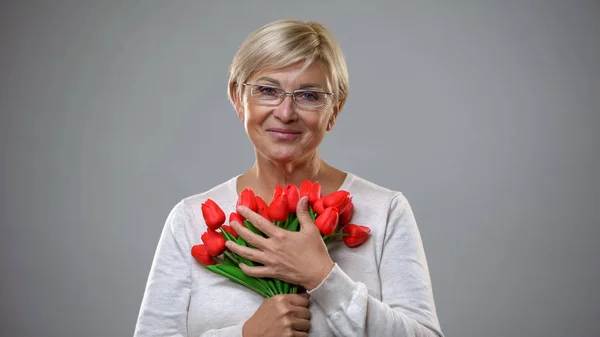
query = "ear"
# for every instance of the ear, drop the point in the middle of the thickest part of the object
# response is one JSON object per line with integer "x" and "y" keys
{"x": 336, "y": 111}
{"x": 237, "y": 102}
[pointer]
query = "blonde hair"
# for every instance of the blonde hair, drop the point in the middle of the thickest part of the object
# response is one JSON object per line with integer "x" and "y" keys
{"x": 285, "y": 42}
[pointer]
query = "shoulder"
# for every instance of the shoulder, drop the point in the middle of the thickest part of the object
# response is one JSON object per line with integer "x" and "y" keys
{"x": 365, "y": 190}
{"x": 220, "y": 193}
{"x": 186, "y": 214}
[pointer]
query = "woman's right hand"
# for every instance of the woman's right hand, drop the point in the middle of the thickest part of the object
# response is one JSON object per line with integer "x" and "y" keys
{"x": 280, "y": 316}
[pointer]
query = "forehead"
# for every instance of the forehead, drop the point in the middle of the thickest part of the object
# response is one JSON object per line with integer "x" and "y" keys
{"x": 294, "y": 76}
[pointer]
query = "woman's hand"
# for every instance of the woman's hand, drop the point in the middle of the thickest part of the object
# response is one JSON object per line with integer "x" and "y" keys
{"x": 295, "y": 257}
{"x": 280, "y": 315}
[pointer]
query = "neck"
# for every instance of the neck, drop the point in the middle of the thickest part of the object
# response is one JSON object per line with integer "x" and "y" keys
{"x": 266, "y": 174}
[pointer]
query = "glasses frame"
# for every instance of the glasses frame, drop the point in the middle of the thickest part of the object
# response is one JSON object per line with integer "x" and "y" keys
{"x": 286, "y": 94}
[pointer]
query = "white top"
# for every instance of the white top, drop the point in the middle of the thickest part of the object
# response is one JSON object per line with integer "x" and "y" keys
{"x": 381, "y": 288}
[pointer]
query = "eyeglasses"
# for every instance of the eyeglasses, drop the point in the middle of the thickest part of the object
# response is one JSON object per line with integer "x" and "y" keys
{"x": 271, "y": 95}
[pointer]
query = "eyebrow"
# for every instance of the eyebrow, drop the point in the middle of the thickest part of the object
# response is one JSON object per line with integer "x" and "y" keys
{"x": 302, "y": 86}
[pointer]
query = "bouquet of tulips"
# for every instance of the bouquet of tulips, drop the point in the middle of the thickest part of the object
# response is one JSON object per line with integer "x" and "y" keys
{"x": 331, "y": 214}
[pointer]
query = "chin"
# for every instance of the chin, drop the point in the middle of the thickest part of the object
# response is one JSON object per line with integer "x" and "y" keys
{"x": 283, "y": 155}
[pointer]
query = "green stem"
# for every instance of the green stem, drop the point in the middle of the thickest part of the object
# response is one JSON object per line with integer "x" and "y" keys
{"x": 241, "y": 278}
{"x": 337, "y": 234}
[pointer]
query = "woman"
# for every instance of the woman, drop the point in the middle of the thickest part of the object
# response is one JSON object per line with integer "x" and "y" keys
{"x": 288, "y": 85}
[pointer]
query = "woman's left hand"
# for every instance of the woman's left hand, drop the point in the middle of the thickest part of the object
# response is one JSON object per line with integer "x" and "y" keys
{"x": 295, "y": 257}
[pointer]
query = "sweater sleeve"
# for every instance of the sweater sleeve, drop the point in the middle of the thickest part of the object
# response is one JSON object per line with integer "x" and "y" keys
{"x": 163, "y": 310}
{"x": 407, "y": 308}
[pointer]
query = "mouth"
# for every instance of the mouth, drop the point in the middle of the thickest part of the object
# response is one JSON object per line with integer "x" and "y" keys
{"x": 283, "y": 134}
{"x": 285, "y": 131}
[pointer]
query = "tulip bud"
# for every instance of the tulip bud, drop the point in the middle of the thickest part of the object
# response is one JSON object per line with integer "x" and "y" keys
{"x": 214, "y": 242}
{"x": 234, "y": 216}
{"x": 315, "y": 193}
{"x": 345, "y": 205}
{"x": 293, "y": 196}
{"x": 347, "y": 214}
{"x": 213, "y": 215}
{"x": 248, "y": 199}
{"x": 335, "y": 199}
{"x": 262, "y": 208}
{"x": 327, "y": 222}
{"x": 357, "y": 235}
{"x": 230, "y": 230}
{"x": 278, "y": 210}
{"x": 318, "y": 206}
{"x": 278, "y": 191}
{"x": 305, "y": 188}
{"x": 201, "y": 255}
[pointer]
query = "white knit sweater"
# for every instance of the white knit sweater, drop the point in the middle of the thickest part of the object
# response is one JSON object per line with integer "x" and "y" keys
{"x": 382, "y": 288}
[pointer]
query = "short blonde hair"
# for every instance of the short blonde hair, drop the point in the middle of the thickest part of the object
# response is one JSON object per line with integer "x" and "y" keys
{"x": 283, "y": 43}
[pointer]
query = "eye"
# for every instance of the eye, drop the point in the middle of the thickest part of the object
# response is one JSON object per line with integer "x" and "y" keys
{"x": 310, "y": 96}
{"x": 267, "y": 91}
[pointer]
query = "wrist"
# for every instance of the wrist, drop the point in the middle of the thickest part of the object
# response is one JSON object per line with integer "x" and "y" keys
{"x": 245, "y": 330}
{"x": 319, "y": 276}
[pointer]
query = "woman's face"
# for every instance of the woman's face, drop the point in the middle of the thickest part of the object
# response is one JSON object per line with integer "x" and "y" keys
{"x": 291, "y": 130}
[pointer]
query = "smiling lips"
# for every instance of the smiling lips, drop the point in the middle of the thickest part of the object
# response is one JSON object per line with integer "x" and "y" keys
{"x": 283, "y": 134}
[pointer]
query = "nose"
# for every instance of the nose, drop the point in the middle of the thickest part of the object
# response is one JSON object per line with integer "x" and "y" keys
{"x": 285, "y": 111}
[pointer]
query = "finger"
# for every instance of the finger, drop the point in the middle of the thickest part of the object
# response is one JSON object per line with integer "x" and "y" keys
{"x": 300, "y": 324}
{"x": 253, "y": 254}
{"x": 299, "y": 334}
{"x": 249, "y": 236}
{"x": 259, "y": 222}
{"x": 302, "y": 312}
{"x": 306, "y": 222}
{"x": 257, "y": 271}
{"x": 298, "y": 300}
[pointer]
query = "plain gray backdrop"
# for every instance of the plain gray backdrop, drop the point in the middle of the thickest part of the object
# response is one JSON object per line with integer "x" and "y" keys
{"x": 484, "y": 113}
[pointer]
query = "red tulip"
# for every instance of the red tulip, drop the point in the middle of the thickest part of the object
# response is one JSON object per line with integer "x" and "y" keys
{"x": 214, "y": 241}
{"x": 336, "y": 199}
{"x": 201, "y": 255}
{"x": 234, "y": 216}
{"x": 293, "y": 196}
{"x": 346, "y": 215}
{"x": 213, "y": 215}
{"x": 230, "y": 230}
{"x": 305, "y": 188}
{"x": 358, "y": 235}
{"x": 327, "y": 222}
{"x": 315, "y": 193}
{"x": 345, "y": 204}
{"x": 318, "y": 206}
{"x": 262, "y": 208}
{"x": 248, "y": 199}
{"x": 278, "y": 191}
{"x": 278, "y": 210}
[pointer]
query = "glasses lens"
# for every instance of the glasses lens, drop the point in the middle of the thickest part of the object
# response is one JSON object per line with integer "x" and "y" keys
{"x": 310, "y": 98}
{"x": 267, "y": 94}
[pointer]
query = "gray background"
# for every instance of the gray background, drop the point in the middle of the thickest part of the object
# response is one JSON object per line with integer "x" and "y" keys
{"x": 485, "y": 114}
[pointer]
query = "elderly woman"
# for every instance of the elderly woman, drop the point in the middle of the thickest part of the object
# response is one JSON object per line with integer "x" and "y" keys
{"x": 288, "y": 85}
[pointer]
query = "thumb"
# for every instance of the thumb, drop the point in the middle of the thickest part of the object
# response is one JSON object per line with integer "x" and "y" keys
{"x": 303, "y": 214}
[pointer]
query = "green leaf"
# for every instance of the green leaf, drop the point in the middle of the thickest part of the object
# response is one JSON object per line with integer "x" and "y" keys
{"x": 228, "y": 236}
{"x": 293, "y": 226}
{"x": 235, "y": 274}
{"x": 286, "y": 288}
{"x": 231, "y": 256}
{"x": 251, "y": 227}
